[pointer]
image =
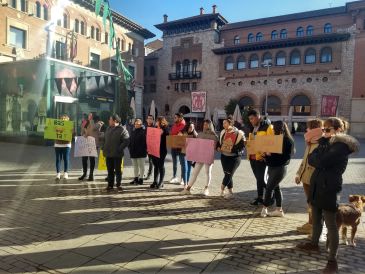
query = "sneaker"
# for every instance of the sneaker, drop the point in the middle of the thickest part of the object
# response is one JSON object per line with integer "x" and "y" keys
{"x": 257, "y": 201}
{"x": 206, "y": 192}
{"x": 263, "y": 212}
{"x": 109, "y": 189}
{"x": 174, "y": 180}
{"x": 65, "y": 176}
{"x": 153, "y": 185}
{"x": 229, "y": 195}
{"x": 90, "y": 179}
{"x": 182, "y": 182}
{"x": 308, "y": 247}
{"x": 276, "y": 213}
{"x": 58, "y": 176}
{"x": 331, "y": 267}
{"x": 119, "y": 189}
{"x": 222, "y": 194}
{"x": 185, "y": 192}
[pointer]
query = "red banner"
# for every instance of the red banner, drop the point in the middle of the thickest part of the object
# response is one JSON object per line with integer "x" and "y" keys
{"x": 198, "y": 101}
{"x": 329, "y": 105}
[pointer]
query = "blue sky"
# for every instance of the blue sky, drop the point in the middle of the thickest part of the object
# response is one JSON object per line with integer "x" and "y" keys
{"x": 149, "y": 13}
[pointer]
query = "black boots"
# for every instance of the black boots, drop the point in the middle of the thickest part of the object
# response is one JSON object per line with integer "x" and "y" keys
{"x": 134, "y": 182}
{"x": 82, "y": 177}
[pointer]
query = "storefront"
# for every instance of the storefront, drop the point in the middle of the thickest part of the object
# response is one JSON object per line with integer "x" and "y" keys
{"x": 32, "y": 90}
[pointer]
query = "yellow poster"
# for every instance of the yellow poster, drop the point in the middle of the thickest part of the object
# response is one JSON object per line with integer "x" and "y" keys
{"x": 102, "y": 162}
{"x": 56, "y": 129}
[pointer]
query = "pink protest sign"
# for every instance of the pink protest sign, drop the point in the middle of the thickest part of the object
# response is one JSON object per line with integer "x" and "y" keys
{"x": 153, "y": 141}
{"x": 200, "y": 150}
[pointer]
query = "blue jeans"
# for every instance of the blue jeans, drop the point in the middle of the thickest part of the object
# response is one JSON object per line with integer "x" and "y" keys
{"x": 62, "y": 153}
{"x": 176, "y": 153}
{"x": 188, "y": 171}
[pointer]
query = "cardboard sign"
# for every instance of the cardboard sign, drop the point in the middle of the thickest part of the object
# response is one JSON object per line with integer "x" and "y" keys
{"x": 200, "y": 150}
{"x": 102, "y": 162}
{"x": 175, "y": 141}
{"x": 153, "y": 141}
{"x": 85, "y": 147}
{"x": 269, "y": 143}
{"x": 250, "y": 147}
{"x": 56, "y": 129}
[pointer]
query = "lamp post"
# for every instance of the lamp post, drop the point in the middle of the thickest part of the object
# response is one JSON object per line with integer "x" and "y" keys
{"x": 267, "y": 64}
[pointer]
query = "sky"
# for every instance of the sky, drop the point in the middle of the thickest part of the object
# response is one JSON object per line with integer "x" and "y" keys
{"x": 148, "y": 13}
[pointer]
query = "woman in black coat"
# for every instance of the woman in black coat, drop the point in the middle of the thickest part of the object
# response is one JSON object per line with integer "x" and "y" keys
{"x": 330, "y": 160}
{"x": 138, "y": 151}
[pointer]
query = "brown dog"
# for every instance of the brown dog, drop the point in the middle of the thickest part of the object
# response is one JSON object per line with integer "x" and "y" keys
{"x": 350, "y": 215}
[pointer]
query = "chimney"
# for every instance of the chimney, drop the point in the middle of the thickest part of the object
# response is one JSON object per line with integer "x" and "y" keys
{"x": 214, "y": 9}
{"x": 165, "y": 18}
{"x": 201, "y": 11}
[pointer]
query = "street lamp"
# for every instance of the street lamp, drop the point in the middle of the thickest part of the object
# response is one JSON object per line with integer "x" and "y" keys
{"x": 267, "y": 64}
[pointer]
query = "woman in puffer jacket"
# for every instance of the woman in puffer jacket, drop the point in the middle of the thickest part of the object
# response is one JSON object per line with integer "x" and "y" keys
{"x": 330, "y": 160}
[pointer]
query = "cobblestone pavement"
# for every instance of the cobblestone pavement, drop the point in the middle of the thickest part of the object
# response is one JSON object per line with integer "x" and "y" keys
{"x": 72, "y": 226}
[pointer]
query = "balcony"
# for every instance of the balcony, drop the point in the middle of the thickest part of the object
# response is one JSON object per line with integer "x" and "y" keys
{"x": 185, "y": 75}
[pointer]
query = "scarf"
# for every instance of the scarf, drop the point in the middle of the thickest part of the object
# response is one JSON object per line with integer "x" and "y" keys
{"x": 312, "y": 135}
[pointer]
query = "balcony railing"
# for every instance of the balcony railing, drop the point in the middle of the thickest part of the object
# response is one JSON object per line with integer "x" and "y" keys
{"x": 185, "y": 75}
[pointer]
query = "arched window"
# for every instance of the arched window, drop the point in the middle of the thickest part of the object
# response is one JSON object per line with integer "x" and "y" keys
{"x": 186, "y": 65}
{"x": 97, "y": 34}
{"x": 300, "y": 32}
{"x": 236, "y": 40}
{"x": 229, "y": 64}
{"x": 92, "y": 32}
{"x": 301, "y": 105}
{"x": 295, "y": 57}
{"x": 152, "y": 71}
{"x": 250, "y": 38}
{"x": 45, "y": 12}
{"x": 283, "y": 34}
{"x": 241, "y": 62}
{"x": 77, "y": 26}
{"x": 267, "y": 58}
{"x": 23, "y": 6}
{"x": 82, "y": 27}
{"x": 327, "y": 28}
{"x": 310, "y": 56}
{"x": 310, "y": 30}
{"x": 280, "y": 59}
{"x": 245, "y": 102}
{"x": 274, "y": 35}
{"x": 254, "y": 61}
{"x": 65, "y": 20}
{"x": 326, "y": 55}
{"x": 38, "y": 9}
{"x": 178, "y": 69}
{"x": 184, "y": 110}
{"x": 259, "y": 37}
{"x": 194, "y": 66}
{"x": 273, "y": 105}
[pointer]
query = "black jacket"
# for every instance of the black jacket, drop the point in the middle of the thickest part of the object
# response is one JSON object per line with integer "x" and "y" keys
{"x": 116, "y": 139}
{"x": 138, "y": 145}
{"x": 163, "y": 149}
{"x": 330, "y": 161}
{"x": 276, "y": 160}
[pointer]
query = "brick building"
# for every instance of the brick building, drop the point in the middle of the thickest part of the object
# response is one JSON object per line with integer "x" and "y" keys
{"x": 45, "y": 36}
{"x": 314, "y": 57}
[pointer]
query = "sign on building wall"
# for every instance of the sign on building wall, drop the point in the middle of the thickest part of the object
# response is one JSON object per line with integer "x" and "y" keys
{"x": 329, "y": 105}
{"x": 198, "y": 101}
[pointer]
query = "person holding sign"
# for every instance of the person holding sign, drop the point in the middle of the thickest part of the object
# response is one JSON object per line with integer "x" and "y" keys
{"x": 150, "y": 122}
{"x": 159, "y": 163}
{"x": 209, "y": 134}
{"x": 277, "y": 166}
{"x": 91, "y": 128}
{"x": 138, "y": 151}
{"x": 231, "y": 144}
{"x": 259, "y": 127}
{"x": 190, "y": 132}
{"x": 116, "y": 139}
{"x": 62, "y": 149}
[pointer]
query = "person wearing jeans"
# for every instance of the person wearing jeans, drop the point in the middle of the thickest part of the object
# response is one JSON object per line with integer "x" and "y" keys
{"x": 149, "y": 123}
{"x": 116, "y": 139}
{"x": 330, "y": 160}
{"x": 277, "y": 166}
{"x": 190, "y": 132}
{"x": 231, "y": 144}
{"x": 138, "y": 151}
{"x": 62, "y": 150}
{"x": 177, "y": 128}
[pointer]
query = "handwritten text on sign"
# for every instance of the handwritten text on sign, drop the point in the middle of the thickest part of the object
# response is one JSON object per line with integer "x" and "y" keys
{"x": 265, "y": 143}
{"x": 85, "y": 147}
{"x": 58, "y": 130}
{"x": 175, "y": 141}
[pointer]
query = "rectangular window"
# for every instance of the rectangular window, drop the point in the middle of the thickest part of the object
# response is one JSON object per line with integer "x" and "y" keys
{"x": 23, "y": 6}
{"x": 177, "y": 87}
{"x": 132, "y": 70}
{"x": 94, "y": 60}
{"x": 185, "y": 86}
{"x": 153, "y": 88}
{"x": 13, "y": 3}
{"x": 59, "y": 52}
{"x": 114, "y": 66}
{"x": 18, "y": 37}
{"x": 194, "y": 86}
{"x": 106, "y": 38}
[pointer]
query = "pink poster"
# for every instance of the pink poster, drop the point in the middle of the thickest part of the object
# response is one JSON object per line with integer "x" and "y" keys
{"x": 153, "y": 141}
{"x": 198, "y": 101}
{"x": 329, "y": 105}
{"x": 200, "y": 150}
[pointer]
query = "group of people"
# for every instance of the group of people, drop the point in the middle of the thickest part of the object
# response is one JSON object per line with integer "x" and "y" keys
{"x": 325, "y": 159}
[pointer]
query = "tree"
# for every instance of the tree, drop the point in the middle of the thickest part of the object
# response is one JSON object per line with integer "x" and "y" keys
{"x": 230, "y": 107}
{"x": 245, "y": 111}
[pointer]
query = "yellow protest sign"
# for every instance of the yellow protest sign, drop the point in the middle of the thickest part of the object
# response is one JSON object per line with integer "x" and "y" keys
{"x": 102, "y": 162}
{"x": 56, "y": 129}
{"x": 265, "y": 143}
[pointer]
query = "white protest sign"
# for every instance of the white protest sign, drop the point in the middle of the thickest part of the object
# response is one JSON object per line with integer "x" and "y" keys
{"x": 85, "y": 147}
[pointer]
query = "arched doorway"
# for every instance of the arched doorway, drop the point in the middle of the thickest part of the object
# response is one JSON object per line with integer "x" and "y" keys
{"x": 273, "y": 105}
{"x": 245, "y": 102}
{"x": 301, "y": 105}
{"x": 184, "y": 110}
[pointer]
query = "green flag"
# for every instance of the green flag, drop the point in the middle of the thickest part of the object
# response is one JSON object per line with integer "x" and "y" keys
{"x": 98, "y": 6}
{"x": 105, "y": 13}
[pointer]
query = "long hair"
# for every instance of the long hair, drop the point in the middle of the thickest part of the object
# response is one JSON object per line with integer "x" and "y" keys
{"x": 210, "y": 124}
{"x": 162, "y": 121}
{"x": 281, "y": 127}
{"x": 337, "y": 124}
